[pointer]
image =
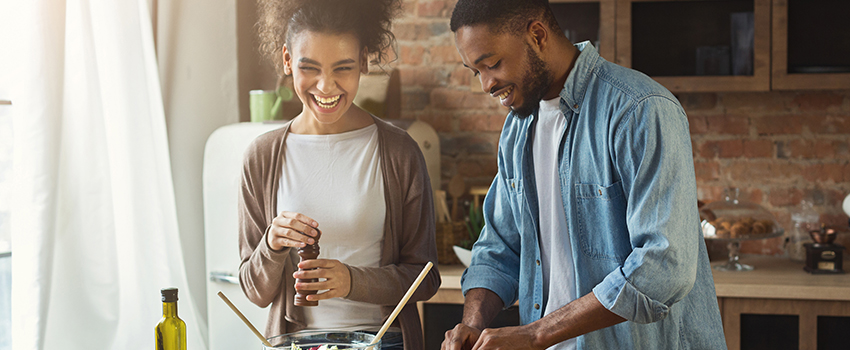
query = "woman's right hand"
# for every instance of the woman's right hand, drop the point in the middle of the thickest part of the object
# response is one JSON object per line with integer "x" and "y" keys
{"x": 291, "y": 230}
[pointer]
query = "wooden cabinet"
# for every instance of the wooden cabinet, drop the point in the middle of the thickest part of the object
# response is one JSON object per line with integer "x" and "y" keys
{"x": 719, "y": 45}
{"x": 811, "y": 44}
{"x": 696, "y": 46}
{"x": 591, "y": 20}
{"x": 779, "y": 306}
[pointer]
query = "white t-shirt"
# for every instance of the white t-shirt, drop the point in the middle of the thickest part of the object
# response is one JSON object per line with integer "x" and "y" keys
{"x": 556, "y": 253}
{"x": 337, "y": 180}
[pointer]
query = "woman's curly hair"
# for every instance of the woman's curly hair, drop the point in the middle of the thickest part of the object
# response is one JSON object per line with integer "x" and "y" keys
{"x": 369, "y": 20}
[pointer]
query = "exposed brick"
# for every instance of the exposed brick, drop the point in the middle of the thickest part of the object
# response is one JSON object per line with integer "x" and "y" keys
{"x": 706, "y": 171}
{"x": 758, "y": 148}
{"x": 818, "y": 101}
{"x": 760, "y": 172}
{"x": 478, "y": 167}
{"x": 722, "y": 149}
{"x": 415, "y": 100}
{"x": 434, "y": 8}
{"x": 441, "y": 122}
{"x": 411, "y": 31}
{"x": 412, "y": 54}
{"x": 461, "y": 76}
{"x": 755, "y": 101}
{"x": 423, "y": 76}
{"x": 697, "y": 124}
{"x": 778, "y": 125}
{"x": 444, "y": 54}
{"x": 439, "y": 28}
{"x": 693, "y": 102}
{"x": 728, "y": 124}
{"x": 770, "y": 246}
{"x": 815, "y": 149}
{"x": 829, "y": 124}
{"x": 468, "y": 144}
{"x": 459, "y": 99}
{"x": 784, "y": 197}
{"x": 483, "y": 122}
{"x": 835, "y": 172}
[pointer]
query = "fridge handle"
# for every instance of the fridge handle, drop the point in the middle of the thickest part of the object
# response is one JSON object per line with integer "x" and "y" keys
{"x": 223, "y": 277}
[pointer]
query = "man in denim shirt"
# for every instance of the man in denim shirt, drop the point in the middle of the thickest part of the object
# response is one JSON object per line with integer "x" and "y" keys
{"x": 591, "y": 221}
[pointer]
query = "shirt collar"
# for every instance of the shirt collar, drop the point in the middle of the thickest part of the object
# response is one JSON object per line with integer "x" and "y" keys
{"x": 572, "y": 95}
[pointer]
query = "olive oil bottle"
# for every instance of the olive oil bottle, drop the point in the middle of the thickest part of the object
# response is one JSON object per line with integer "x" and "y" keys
{"x": 171, "y": 330}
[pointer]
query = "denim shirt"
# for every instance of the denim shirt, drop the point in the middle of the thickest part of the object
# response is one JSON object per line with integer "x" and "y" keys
{"x": 629, "y": 193}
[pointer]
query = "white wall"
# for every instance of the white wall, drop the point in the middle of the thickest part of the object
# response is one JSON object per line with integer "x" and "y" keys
{"x": 196, "y": 48}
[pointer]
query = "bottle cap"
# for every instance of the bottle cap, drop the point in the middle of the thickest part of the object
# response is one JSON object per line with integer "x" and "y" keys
{"x": 169, "y": 295}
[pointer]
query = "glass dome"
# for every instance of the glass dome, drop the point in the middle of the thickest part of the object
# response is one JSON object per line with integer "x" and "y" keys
{"x": 735, "y": 220}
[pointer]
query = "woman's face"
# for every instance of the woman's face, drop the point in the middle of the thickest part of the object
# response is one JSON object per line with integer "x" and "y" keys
{"x": 326, "y": 72}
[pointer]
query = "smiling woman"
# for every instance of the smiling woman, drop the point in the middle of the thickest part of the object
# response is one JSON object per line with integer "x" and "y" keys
{"x": 335, "y": 166}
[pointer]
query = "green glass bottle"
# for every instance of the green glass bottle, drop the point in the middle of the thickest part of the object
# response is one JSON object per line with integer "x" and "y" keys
{"x": 171, "y": 330}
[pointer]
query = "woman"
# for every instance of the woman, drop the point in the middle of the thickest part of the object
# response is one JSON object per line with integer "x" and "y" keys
{"x": 338, "y": 169}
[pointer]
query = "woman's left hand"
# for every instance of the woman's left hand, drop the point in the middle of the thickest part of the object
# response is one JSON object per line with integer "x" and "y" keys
{"x": 337, "y": 278}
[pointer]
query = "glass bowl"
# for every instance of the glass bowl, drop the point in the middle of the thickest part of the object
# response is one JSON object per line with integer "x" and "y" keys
{"x": 313, "y": 340}
{"x": 735, "y": 220}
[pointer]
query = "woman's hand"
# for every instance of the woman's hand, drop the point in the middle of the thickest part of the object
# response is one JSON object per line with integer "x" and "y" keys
{"x": 291, "y": 230}
{"x": 337, "y": 278}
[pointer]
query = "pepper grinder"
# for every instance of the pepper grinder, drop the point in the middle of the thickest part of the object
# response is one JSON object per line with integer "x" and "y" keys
{"x": 306, "y": 253}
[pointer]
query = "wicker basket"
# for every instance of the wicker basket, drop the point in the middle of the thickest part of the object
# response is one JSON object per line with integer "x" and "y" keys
{"x": 448, "y": 235}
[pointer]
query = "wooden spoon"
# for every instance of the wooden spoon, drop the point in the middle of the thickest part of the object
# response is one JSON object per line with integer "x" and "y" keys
{"x": 456, "y": 189}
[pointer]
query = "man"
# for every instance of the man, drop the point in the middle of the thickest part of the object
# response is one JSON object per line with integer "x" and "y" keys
{"x": 591, "y": 223}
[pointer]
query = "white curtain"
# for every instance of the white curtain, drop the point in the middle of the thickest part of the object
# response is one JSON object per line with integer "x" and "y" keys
{"x": 94, "y": 226}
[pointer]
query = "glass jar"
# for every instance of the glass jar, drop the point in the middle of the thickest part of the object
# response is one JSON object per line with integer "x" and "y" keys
{"x": 805, "y": 219}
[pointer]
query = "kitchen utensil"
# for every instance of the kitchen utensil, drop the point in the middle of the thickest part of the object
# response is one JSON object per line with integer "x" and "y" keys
{"x": 317, "y": 338}
{"x": 247, "y": 323}
{"x": 403, "y": 301}
{"x": 442, "y": 207}
{"x": 456, "y": 189}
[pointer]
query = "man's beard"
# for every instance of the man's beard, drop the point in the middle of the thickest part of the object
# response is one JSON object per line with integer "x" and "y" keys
{"x": 534, "y": 85}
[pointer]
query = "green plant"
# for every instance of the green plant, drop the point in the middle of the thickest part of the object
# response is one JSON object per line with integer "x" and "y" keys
{"x": 474, "y": 225}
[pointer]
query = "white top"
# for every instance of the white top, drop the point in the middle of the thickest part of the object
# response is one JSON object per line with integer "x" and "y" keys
{"x": 337, "y": 180}
{"x": 555, "y": 251}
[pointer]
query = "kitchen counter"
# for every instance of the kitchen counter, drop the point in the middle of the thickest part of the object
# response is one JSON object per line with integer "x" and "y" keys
{"x": 772, "y": 278}
{"x": 777, "y": 286}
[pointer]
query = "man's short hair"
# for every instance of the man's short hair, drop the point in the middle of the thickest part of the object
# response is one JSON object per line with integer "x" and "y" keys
{"x": 503, "y": 16}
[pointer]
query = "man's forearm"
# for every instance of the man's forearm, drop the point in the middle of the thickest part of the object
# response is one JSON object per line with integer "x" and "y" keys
{"x": 581, "y": 316}
{"x": 480, "y": 307}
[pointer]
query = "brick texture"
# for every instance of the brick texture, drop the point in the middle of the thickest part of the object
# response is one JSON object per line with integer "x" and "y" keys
{"x": 779, "y": 147}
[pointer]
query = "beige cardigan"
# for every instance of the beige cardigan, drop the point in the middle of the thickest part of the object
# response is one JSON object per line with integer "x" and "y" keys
{"x": 409, "y": 242}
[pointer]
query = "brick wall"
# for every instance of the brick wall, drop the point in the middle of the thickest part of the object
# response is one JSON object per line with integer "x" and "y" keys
{"x": 778, "y": 147}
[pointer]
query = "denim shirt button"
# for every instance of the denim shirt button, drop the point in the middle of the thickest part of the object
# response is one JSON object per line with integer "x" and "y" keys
{"x": 536, "y": 306}
{"x": 575, "y": 106}
{"x": 538, "y": 262}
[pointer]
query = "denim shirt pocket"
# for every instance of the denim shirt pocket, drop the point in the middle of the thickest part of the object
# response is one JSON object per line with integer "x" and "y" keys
{"x": 601, "y": 213}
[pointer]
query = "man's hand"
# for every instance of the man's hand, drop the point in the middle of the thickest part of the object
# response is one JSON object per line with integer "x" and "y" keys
{"x": 507, "y": 338}
{"x": 462, "y": 337}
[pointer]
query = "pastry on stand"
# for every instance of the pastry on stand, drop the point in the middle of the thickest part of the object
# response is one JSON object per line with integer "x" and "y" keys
{"x": 734, "y": 221}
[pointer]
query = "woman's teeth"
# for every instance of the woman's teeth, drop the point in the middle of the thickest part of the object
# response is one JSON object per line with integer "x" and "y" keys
{"x": 327, "y": 102}
{"x": 506, "y": 93}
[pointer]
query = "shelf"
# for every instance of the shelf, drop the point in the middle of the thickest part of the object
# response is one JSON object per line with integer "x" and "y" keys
{"x": 588, "y": 20}
{"x": 811, "y": 45}
{"x": 688, "y": 46}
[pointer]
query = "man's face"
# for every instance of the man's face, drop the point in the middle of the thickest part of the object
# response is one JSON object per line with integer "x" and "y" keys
{"x": 507, "y": 65}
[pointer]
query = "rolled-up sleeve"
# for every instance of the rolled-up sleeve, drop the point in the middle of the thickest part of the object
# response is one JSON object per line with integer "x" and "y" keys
{"x": 653, "y": 153}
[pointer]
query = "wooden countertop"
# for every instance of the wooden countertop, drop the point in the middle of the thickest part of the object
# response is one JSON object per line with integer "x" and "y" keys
{"x": 772, "y": 278}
